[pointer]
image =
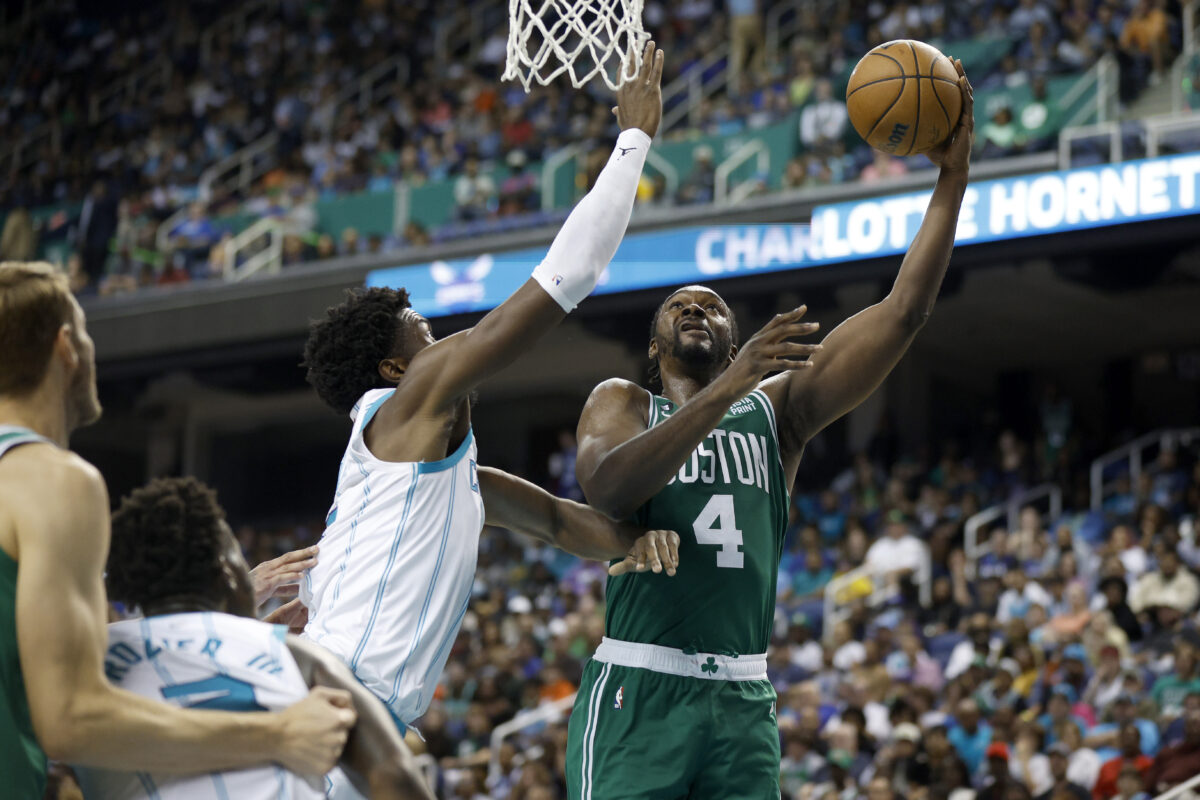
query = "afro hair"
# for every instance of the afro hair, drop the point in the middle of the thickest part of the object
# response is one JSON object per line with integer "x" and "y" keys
{"x": 165, "y": 542}
{"x": 343, "y": 351}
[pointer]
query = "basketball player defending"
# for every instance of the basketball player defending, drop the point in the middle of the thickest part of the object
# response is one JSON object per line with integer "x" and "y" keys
{"x": 676, "y": 702}
{"x": 54, "y": 531}
{"x": 399, "y": 551}
{"x": 200, "y": 646}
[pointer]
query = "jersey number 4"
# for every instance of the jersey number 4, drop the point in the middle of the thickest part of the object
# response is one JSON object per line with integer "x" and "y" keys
{"x": 717, "y": 525}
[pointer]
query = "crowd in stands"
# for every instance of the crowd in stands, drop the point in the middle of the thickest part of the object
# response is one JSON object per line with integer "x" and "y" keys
{"x": 136, "y": 157}
{"x": 1061, "y": 663}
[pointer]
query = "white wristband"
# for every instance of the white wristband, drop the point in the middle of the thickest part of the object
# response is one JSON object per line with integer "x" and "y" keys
{"x": 591, "y": 234}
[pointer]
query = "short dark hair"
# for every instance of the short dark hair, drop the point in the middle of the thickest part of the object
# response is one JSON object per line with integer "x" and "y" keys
{"x": 653, "y": 376}
{"x": 165, "y": 542}
{"x": 343, "y": 351}
{"x": 35, "y": 302}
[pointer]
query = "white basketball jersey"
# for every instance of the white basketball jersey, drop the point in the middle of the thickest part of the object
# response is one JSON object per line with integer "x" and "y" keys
{"x": 202, "y": 660}
{"x": 396, "y": 567}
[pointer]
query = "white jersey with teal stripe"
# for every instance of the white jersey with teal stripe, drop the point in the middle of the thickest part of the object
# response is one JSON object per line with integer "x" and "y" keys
{"x": 396, "y": 567}
{"x": 211, "y": 661}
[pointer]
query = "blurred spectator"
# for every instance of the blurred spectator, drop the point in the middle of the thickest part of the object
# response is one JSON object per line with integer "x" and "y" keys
{"x": 823, "y": 122}
{"x": 1170, "y": 585}
{"x": 882, "y": 167}
{"x": 1130, "y": 755}
{"x": 698, "y": 187}
{"x": 518, "y": 192}
{"x": 18, "y": 242}
{"x": 972, "y": 738}
{"x": 1176, "y": 764}
{"x": 1000, "y": 135}
{"x": 1145, "y": 36}
{"x": 194, "y": 237}
{"x": 1061, "y": 784}
{"x": 746, "y": 44}
{"x": 474, "y": 193}
{"x": 97, "y": 225}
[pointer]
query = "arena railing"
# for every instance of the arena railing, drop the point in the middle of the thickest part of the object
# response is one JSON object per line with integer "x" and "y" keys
{"x": 1160, "y": 126}
{"x": 571, "y": 153}
{"x": 1010, "y": 510}
{"x": 235, "y": 21}
{"x": 684, "y": 96}
{"x": 1183, "y": 790}
{"x": 542, "y": 715}
{"x": 266, "y": 258}
{"x": 1134, "y": 453}
{"x": 241, "y": 168}
{"x": 755, "y": 148}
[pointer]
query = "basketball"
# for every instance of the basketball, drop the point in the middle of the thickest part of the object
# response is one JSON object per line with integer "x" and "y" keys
{"x": 903, "y": 97}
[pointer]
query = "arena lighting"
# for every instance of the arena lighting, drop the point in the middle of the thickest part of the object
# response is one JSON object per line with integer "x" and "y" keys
{"x": 1029, "y": 205}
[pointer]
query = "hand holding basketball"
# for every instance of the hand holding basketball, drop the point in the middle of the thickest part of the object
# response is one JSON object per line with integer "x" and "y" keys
{"x": 639, "y": 100}
{"x": 955, "y": 153}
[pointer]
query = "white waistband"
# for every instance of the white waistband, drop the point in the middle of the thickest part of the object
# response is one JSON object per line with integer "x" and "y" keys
{"x": 706, "y": 666}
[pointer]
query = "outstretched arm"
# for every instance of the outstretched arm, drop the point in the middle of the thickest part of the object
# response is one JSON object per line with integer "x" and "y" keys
{"x": 859, "y": 353}
{"x": 445, "y": 372}
{"x": 77, "y": 715}
{"x": 527, "y": 509}
{"x": 376, "y": 758}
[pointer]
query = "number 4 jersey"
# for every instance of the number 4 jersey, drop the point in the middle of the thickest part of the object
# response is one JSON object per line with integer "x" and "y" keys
{"x": 203, "y": 660}
{"x": 729, "y": 504}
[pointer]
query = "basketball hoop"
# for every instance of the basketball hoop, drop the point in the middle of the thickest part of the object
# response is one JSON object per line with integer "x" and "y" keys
{"x": 547, "y": 38}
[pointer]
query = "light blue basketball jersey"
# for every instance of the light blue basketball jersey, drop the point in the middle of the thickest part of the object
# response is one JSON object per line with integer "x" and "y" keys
{"x": 396, "y": 567}
{"x": 203, "y": 660}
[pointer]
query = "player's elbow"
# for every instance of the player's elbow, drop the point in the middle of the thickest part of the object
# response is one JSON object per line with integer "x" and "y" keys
{"x": 911, "y": 314}
{"x": 64, "y": 738}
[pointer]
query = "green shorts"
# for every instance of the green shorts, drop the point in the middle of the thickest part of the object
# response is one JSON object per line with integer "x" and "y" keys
{"x": 680, "y": 727}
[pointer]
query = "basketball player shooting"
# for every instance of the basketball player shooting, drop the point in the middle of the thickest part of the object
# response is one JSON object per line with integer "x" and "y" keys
{"x": 399, "y": 551}
{"x": 676, "y": 702}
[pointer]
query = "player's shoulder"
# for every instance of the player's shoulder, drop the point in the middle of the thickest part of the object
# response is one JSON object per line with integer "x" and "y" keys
{"x": 619, "y": 389}
{"x": 41, "y": 473}
{"x": 618, "y": 396}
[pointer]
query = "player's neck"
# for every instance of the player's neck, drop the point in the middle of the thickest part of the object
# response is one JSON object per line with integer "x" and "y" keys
{"x": 43, "y": 412}
{"x": 682, "y": 386}
{"x": 182, "y": 604}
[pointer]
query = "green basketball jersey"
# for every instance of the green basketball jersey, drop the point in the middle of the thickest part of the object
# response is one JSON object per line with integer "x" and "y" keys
{"x": 729, "y": 505}
{"x": 22, "y": 762}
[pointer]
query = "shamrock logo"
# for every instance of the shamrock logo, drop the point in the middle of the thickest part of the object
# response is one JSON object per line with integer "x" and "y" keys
{"x": 709, "y": 666}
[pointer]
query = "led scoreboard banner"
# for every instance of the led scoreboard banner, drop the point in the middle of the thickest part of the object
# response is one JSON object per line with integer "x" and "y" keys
{"x": 1029, "y": 205}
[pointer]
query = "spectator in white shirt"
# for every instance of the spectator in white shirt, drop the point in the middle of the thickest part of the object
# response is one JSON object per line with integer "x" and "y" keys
{"x": 1126, "y": 548}
{"x": 474, "y": 193}
{"x": 1170, "y": 585}
{"x": 823, "y": 123}
{"x": 1021, "y": 594}
{"x": 898, "y": 552}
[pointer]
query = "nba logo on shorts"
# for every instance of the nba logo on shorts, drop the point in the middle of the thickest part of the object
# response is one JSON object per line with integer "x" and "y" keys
{"x": 619, "y": 702}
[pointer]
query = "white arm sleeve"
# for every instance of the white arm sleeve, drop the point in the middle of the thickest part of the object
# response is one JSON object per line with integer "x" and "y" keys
{"x": 589, "y": 238}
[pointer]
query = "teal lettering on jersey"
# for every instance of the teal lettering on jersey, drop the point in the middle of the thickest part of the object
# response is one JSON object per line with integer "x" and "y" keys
{"x": 211, "y": 647}
{"x": 265, "y": 663}
{"x": 220, "y": 692}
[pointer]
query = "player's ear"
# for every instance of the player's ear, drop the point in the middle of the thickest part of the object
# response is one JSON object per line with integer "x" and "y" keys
{"x": 733, "y": 351}
{"x": 392, "y": 369}
{"x": 652, "y": 352}
{"x": 64, "y": 345}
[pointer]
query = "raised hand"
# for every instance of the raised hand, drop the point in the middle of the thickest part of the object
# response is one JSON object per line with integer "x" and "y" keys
{"x": 954, "y": 154}
{"x": 772, "y": 350}
{"x": 639, "y": 100}
{"x": 280, "y": 576}
{"x": 654, "y": 551}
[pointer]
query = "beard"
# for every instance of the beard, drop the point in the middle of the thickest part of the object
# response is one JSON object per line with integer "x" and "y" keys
{"x": 701, "y": 354}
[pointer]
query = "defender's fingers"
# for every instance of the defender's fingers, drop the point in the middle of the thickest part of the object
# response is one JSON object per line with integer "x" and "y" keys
{"x": 621, "y": 567}
{"x": 796, "y": 329}
{"x": 647, "y": 61}
{"x": 655, "y": 560}
{"x": 673, "y": 552}
{"x": 792, "y": 350}
{"x": 656, "y": 75}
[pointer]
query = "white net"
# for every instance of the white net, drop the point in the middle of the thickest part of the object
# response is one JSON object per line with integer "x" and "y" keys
{"x": 581, "y": 38}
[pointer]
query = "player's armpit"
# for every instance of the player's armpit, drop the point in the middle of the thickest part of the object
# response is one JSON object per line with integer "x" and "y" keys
{"x": 520, "y": 506}
{"x": 376, "y": 759}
